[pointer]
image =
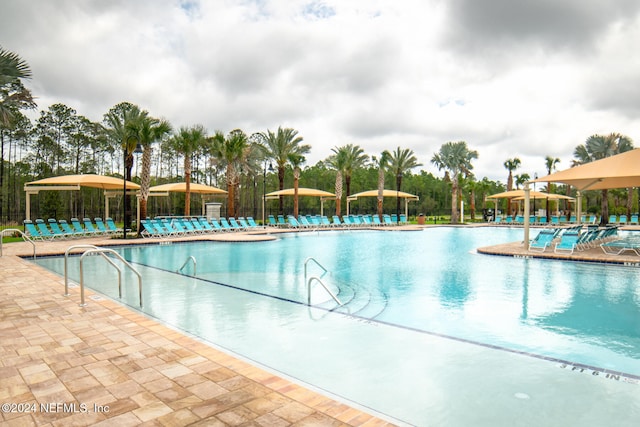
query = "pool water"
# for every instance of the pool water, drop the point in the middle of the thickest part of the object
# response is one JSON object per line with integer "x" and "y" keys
{"x": 431, "y": 332}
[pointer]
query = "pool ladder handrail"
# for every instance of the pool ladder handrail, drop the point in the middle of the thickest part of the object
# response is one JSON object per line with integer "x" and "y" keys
{"x": 195, "y": 264}
{"x": 24, "y": 236}
{"x": 92, "y": 249}
{"x": 312, "y": 278}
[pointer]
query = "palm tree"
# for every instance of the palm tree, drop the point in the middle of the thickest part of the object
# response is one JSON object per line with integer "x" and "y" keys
{"x": 187, "y": 141}
{"x": 511, "y": 165}
{"x": 455, "y": 157}
{"x": 148, "y": 130}
{"x": 278, "y": 146}
{"x": 383, "y": 163}
{"x": 337, "y": 161}
{"x": 550, "y": 164}
{"x": 400, "y": 162}
{"x": 598, "y": 147}
{"x": 231, "y": 150}
{"x": 355, "y": 158}
{"x": 13, "y": 95}
{"x": 296, "y": 161}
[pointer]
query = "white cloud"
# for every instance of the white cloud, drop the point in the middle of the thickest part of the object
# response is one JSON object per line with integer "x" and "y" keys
{"x": 514, "y": 79}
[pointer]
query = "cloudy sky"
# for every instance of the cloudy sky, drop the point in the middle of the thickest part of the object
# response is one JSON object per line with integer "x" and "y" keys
{"x": 512, "y": 78}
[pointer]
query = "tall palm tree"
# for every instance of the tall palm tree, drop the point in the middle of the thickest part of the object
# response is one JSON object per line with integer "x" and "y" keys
{"x": 149, "y": 130}
{"x": 231, "y": 150}
{"x": 337, "y": 161}
{"x": 187, "y": 141}
{"x": 296, "y": 161}
{"x": 278, "y": 146}
{"x": 511, "y": 165}
{"x": 401, "y": 161}
{"x": 355, "y": 158}
{"x": 383, "y": 163}
{"x": 13, "y": 95}
{"x": 598, "y": 147}
{"x": 455, "y": 157}
{"x": 550, "y": 164}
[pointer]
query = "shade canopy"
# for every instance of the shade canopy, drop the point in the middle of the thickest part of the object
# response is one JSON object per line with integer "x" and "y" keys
{"x": 88, "y": 180}
{"x": 385, "y": 193}
{"x": 519, "y": 195}
{"x": 181, "y": 187}
{"x": 619, "y": 171}
{"x": 74, "y": 183}
{"x": 302, "y": 191}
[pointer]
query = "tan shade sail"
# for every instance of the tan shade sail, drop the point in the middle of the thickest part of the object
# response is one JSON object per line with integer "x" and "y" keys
{"x": 385, "y": 193}
{"x": 519, "y": 195}
{"x": 181, "y": 187}
{"x": 302, "y": 191}
{"x": 619, "y": 171}
{"x": 87, "y": 180}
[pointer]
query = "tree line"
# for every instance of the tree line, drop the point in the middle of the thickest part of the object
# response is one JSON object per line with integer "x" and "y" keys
{"x": 61, "y": 141}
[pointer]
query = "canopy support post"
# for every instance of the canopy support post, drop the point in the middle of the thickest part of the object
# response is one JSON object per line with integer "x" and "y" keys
{"x": 527, "y": 193}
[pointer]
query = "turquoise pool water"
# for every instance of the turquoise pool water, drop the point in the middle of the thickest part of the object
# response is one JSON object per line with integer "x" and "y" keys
{"x": 432, "y": 333}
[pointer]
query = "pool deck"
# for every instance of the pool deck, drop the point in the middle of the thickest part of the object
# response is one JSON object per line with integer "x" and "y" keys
{"x": 105, "y": 364}
{"x": 593, "y": 254}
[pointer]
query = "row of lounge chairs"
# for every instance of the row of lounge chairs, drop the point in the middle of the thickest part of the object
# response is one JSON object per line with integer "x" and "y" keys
{"x": 54, "y": 229}
{"x": 570, "y": 239}
{"x": 179, "y": 226}
{"x": 562, "y": 220}
{"x": 322, "y": 221}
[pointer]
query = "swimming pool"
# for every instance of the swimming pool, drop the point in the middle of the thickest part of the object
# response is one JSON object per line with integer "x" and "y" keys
{"x": 433, "y": 333}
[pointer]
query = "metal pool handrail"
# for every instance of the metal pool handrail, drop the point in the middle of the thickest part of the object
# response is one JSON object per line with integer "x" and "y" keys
{"x": 306, "y": 261}
{"x": 25, "y": 237}
{"x": 191, "y": 258}
{"x": 311, "y": 279}
{"x": 117, "y": 255}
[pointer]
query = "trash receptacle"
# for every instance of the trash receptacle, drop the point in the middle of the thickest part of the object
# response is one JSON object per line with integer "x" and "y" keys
{"x": 421, "y": 219}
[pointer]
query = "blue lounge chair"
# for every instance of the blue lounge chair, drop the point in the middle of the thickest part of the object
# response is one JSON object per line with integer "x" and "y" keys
{"x": 403, "y": 219}
{"x": 195, "y": 224}
{"x": 336, "y": 221}
{"x": 376, "y": 220}
{"x": 32, "y": 231}
{"x": 252, "y": 222}
{"x": 206, "y": 225}
{"x": 387, "y": 220}
{"x": 325, "y": 221}
{"x": 243, "y": 223}
{"x": 272, "y": 221}
{"x": 293, "y": 222}
{"x": 282, "y": 222}
{"x": 44, "y": 230}
{"x": 102, "y": 228}
{"x": 112, "y": 225}
{"x": 622, "y": 220}
{"x": 613, "y": 219}
{"x": 303, "y": 222}
{"x": 634, "y": 219}
{"x": 542, "y": 241}
{"x": 88, "y": 227}
{"x": 217, "y": 226}
{"x": 149, "y": 230}
{"x": 68, "y": 230}
{"x": 568, "y": 242}
{"x": 56, "y": 230}
{"x": 617, "y": 247}
{"x": 235, "y": 224}
{"x": 225, "y": 224}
